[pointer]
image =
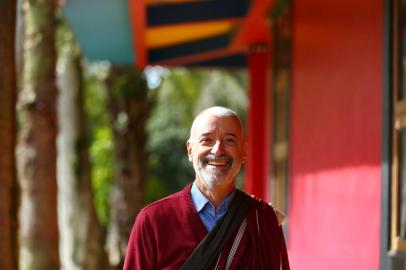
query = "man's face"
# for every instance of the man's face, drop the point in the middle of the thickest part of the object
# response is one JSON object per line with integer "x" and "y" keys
{"x": 217, "y": 150}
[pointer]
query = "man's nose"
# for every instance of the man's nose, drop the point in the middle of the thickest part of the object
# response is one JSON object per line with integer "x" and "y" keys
{"x": 217, "y": 148}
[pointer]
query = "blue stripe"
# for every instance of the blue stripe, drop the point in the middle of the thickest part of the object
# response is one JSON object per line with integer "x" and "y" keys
{"x": 189, "y": 48}
{"x": 196, "y": 11}
{"x": 231, "y": 61}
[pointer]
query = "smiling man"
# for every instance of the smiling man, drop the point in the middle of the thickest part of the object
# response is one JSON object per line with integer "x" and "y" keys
{"x": 209, "y": 224}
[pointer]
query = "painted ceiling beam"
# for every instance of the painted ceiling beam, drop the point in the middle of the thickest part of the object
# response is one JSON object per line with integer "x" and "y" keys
{"x": 196, "y": 11}
{"x": 255, "y": 28}
{"x": 189, "y": 30}
{"x": 138, "y": 18}
{"x": 169, "y": 35}
{"x": 189, "y": 48}
{"x": 195, "y": 59}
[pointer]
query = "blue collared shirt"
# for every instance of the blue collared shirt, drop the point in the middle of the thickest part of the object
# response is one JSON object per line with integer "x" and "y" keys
{"x": 207, "y": 211}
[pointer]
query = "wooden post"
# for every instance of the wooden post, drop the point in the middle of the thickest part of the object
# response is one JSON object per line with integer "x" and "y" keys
{"x": 258, "y": 163}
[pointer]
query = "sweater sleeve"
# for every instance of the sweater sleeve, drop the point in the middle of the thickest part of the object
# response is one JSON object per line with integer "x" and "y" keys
{"x": 141, "y": 252}
{"x": 275, "y": 237}
{"x": 284, "y": 252}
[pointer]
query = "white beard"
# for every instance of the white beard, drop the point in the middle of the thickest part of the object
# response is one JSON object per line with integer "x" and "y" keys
{"x": 211, "y": 176}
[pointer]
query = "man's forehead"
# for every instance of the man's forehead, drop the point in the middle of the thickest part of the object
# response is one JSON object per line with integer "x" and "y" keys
{"x": 207, "y": 124}
{"x": 209, "y": 133}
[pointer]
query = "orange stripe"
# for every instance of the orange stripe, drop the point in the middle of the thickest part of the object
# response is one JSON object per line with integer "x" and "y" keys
{"x": 158, "y": 37}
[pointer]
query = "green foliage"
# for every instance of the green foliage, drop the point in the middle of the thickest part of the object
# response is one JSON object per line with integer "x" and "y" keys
{"x": 224, "y": 88}
{"x": 101, "y": 156}
{"x": 128, "y": 75}
{"x": 167, "y": 139}
{"x": 101, "y": 146}
{"x": 154, "y": 190}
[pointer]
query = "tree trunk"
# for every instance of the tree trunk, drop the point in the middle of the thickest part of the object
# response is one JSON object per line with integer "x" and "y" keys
{"x": 36, "y": 147}
{"x": 8, "y": 183}
{"x": 82, "y": 238}
{"x": 19, "y": 44}
{"x": 128, "y": 108}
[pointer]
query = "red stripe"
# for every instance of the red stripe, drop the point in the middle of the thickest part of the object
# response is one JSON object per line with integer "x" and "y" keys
{"x": 138, "y": 25}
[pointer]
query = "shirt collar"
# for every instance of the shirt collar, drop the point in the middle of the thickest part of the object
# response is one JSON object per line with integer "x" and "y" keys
{"x": 200, "y": 200}
{"x": 198, "y": 197}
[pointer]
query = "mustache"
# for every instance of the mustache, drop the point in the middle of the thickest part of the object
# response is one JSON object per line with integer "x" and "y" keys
{"x": 211, "y": 157}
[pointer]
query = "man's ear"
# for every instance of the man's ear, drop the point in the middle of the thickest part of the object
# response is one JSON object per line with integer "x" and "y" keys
{"x": 244, "y": 153}
{"x": 189, "y": 151}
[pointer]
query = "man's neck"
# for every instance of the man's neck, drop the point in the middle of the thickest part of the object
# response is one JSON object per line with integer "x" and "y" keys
{"x": 216, "y": 194}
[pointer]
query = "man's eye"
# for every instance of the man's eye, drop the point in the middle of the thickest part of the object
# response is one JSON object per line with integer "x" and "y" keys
{"x": 205, "y": 140}
{"x": 229, "y": 140}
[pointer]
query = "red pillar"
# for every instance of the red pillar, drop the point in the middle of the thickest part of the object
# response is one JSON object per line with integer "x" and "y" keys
{"x": 258, "y": 162}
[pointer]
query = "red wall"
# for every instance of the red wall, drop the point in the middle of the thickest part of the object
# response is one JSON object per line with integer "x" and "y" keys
{"x": 334, "y": 213}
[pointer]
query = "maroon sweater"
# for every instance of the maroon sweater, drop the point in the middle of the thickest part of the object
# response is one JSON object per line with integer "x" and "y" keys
{"x": 166, "y": 232}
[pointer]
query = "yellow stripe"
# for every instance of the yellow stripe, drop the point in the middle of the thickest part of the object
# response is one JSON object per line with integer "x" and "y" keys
{"x": 158, "y": 37}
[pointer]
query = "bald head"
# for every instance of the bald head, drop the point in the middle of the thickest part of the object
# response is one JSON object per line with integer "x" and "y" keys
{"x": 217, "y": 149}
{"x": 218, "y": 112}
